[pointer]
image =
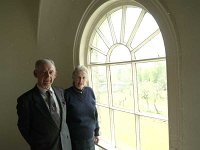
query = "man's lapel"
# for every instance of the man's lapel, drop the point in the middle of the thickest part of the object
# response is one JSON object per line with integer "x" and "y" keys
{"x": 40, "y": 105}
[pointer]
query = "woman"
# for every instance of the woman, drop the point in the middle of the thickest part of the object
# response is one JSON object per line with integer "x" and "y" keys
{"x": 82, "y": 117}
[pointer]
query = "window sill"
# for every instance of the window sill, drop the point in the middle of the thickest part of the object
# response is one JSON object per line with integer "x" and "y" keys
{"x": 102, "y": 145}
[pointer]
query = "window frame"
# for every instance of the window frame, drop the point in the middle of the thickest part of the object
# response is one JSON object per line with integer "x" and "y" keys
{"x": 167, "y": 27}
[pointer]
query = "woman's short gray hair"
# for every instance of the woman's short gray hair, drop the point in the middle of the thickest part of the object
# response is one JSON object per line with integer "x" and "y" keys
{"x": 78, "y": 69}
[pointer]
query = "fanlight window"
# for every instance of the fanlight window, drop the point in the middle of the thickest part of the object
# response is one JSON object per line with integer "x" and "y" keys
{"x": 126, "y": 57}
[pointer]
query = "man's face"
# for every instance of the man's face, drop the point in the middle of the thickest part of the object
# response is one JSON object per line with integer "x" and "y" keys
{"x": 80, "y": 80}
{"x": 45, "y": 75}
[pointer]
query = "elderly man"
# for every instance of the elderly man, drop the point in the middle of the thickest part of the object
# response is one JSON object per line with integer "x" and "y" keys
{"x": 42, "y": 111}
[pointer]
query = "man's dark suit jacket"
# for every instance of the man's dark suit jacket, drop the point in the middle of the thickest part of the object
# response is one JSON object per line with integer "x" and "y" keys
{"x": 36, "y": 124}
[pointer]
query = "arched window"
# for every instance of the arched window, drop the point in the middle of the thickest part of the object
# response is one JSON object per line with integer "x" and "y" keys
{"x": 123, "y": 47}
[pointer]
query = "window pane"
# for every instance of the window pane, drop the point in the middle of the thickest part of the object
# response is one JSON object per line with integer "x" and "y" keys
{"x": 116, "y": 21}
{"x": 153, "y": 134}
{"x": 152, "y": 87}
{"x": 97, "y": 57}
{"x": 99, "y": 84}
{"x": 99, "y": 44}
{"x": 147, "y": 27}
{"x": 132, "y": 15}
{"x": 104, "y": 28}
{"x": 122, "y": 86}
{"x": 124, "y": 130}
{"x": 104, "y": 123}
{"x": 120, "y": 53}
{"x": 153, "y": 49}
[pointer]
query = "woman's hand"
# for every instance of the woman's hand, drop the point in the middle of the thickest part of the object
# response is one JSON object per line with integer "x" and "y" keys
{"x": 96, "y": 139}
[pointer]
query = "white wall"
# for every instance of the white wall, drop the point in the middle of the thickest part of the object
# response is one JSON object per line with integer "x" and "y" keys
{"x": 17, "y": 53}
{"x": 55, "y": 33}
{"x": 186, "y": 15}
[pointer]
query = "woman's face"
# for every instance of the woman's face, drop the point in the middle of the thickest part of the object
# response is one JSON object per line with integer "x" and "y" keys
{"x": 80, "y": 80}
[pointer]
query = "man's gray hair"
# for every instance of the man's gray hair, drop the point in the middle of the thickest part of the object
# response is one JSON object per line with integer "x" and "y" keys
{"x": 40, "y": 62}
{"x": 80, "y": 68}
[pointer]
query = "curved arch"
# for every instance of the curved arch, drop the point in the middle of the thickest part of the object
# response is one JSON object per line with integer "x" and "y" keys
{"x": 172, "y": 46}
